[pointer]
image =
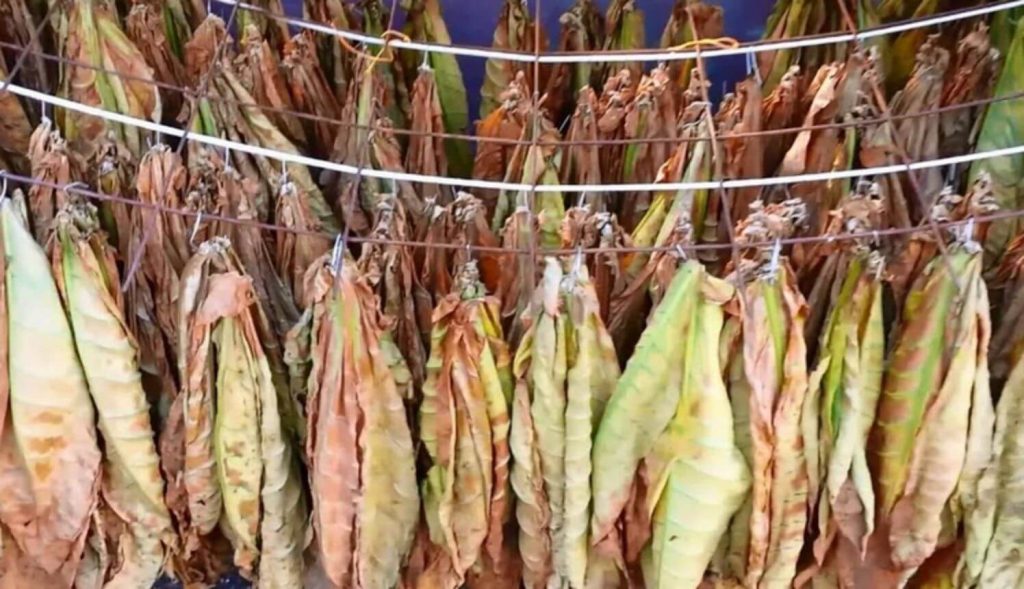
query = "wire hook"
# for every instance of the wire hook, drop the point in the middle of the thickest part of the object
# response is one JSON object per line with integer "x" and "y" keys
{"x": 577, "y": 262}
{"x": 195, "y": 228}
{"x": 773, "y": 263}
{"x": 3, "y": 187}
{"x": 337, "y": 255}
{"x": 425, "y": 65}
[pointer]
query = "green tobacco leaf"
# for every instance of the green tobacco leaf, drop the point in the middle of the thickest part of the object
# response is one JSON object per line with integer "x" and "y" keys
{"x": 1003, "y": 127}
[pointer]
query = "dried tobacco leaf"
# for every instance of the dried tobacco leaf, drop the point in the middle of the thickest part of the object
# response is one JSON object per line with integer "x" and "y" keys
{"x": 616, "y": 95}
{"x": 844, "y": 387}
{"x": 581, "y": 163}
{"x": 508, "y": 121}
{"x": 768, "y": 384}
{"x": 132, "y": 486}
{"x": 390, "y": 271}
{"x": 625, "y": 32}
{"x": 931, "y": 439}
{"x": 673, "y": 386}
{"x": 295, "y": 252}
{"x": 151, "y": 29}
{"x": 582, "y": 31}
{"x": 425, "y": 23}
{"x": 311, "y": 93}
{"x": 744, "y": 156}
{"x": 359, "y": 448}
{"x": 689, "y": 20}
{"x": 17, "y": 24}
{"x": 565, "y": 370}
{"x": 918, "y": 137}
{"x": 334, "y": 58}
{"x": 426, "y": 154}
{"x": 583, "y": 228}
{"x": 902, "y": 54}
{"x": 515, "y": 31}
{"x": 464, "y": 425}
{"x": 94, "y": 37}
{"x": 395, "y": 92}
{"x": 260, "y": 73}
{"x": 975, "y": 70}
{"x": 49, "y": 459}
{"x": 240, "y": 470}
{"x": 650, "y": 120}
{"x": 15, "y": 129}
{"x": 55, "y": 164}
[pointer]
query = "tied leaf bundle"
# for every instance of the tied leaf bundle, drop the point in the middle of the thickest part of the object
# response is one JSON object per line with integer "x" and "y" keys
{"x": 464, "y": 426}
{"x": 50, "y": 462}
{"x": 90, "y": 33}
{"x": 565, "y": 370}
{"x": 359, "y": 448}
{"x": 240, "y": 474}
{"x": 668, "y": 475}
{"x": 138, "y": 522}
{"x": 767, "y": 370}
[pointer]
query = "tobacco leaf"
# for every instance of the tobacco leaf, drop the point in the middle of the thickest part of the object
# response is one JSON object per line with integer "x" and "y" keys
{"x": 515, "y": 31}
{"x": 507, "y": 121}
{"x": 425, "y": 23}
{"x": 311, "y": 93}
{"x": 15, "y": 127}
{"x": 582, "y": 30}
{"x": 261, "y": 74}
{"x": 625, "y": 31}
{"x": 426, "y": 153}
{"x": 974, "y": 68}
{"x": 148, "y": 26}
{"x": 689, "y": 20}
{"x": 52, "y": 162}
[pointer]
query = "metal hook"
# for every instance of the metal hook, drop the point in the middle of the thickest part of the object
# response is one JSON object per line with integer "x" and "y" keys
{"x": 773, "y": 263}
{"x": 753, "y": 70}
{"x": 968, "y": 232}
{"x": 680, "y": 252}
{"x": 425, "y": 65}
{"x": 43, "y": 117}
{"x": 577, "y": 262}
{"x": 3, "y": 187}
{"x": 195, "y": 228}
{"x": 581, "y": 199}
{"x": 74, "y": 186}
{"x": 875, "y": 238}
{"x": 337, "y": 254}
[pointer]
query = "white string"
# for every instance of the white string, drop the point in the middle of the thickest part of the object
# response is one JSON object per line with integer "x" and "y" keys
{"x": 648, "y": 56}
{"x": 319, "y": 164}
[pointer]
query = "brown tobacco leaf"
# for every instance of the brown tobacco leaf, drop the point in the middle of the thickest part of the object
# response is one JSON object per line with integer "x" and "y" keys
{"x": 744, "y": 156}
{"x": 386, "y": 155}
{"x": 294, "y": 252}
{"x": 919, "y": 136}
{"x": 390, "y": 271}
{"x": 311, "y": 93}
{"x": 780, "y": 110}
{"x": 624, "y": 32}
{"x": 616, "y": 95}
{"x": 650, "y": 117}
{"x": 507, "y": 121}
{"x": 146, "y": 27}
{"x": 16, "y": 28}
{"x": 464, "y": 425}
{"x": 261, "y": 74}
{"x": 517, "y": 281}
{"x": 235, "y": 200}
{"x": 359, "y": 448}
{"x": 15, "y": 128}
{"x": 1008, "y": 339}
{"x": 582, "y": 31}
{"x": 974, "y": 72}
{"x": 581, "y": 164}
{"x": 395, "y": 92}
{"x": 831, "y": 95}
{"x": 335, "y": 60}
{"x": 515, "y": 31}
{"x": 426, "y": 153}
{"x": 52, "y": 162}
{"x": 115, "y": 171}
{"x": 690, "y": 20}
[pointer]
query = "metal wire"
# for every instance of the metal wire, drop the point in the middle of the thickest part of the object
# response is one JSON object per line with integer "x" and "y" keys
{"x": 649, "y": 55}
{"x": 511, "y": 186}
{"x": 76, "y": 188}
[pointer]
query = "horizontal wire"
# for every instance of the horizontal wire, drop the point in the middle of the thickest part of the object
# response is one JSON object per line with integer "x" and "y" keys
{"x": 511, "y": 186}
{"x": 75, "y": 187}
{"x": 649, "y": 55}
{"x": 866, "y": 122}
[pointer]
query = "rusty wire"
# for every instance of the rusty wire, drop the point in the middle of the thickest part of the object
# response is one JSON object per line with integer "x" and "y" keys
{"x": 76, "y": 188}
